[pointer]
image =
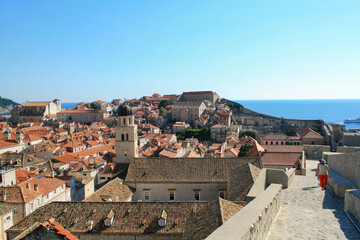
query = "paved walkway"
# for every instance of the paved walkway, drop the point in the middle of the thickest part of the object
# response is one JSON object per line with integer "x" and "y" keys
{"x": 307, "y": 212}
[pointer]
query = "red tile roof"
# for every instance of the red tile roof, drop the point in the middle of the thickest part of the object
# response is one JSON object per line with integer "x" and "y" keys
{"x": 58, "y": 229}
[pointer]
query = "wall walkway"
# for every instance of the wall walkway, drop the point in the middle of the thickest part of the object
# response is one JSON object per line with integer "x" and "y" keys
{"x": 307, "y": 212}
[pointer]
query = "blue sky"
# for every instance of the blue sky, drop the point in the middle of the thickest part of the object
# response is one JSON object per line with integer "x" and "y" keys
{"x": 88, "y": 50}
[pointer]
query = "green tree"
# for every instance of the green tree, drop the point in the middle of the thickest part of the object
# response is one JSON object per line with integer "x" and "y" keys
{"x": 248, "y": 133}
{"x": 244, "y": 149}
{"x": 163, "y": 104}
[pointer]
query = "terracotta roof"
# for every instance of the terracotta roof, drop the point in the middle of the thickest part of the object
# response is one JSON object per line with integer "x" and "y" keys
{"x": 50, "y": 225}
{"x": 18, "y": 194}
{"x": 35, "y": 104}
{"x": 284, "y": 148}
{"x": 46, "y": 184}
{"x": 219, "y": 126}
{"x": 202, "y": 223}
{"x": 113, "y": 191}
{"x": 309, "y": 133}
{"x": 7, "y": 143}
{"x": 282, "y": 159}
{"x": 273, "y": 136}
{"x": 168, "y": 154}
{"x": 199, "y": 93}
{"x": 165, "y": 170}
{"x": 22, "y": 174}
{"x": 58, "y": 229}
{"x": 140, "y": 217}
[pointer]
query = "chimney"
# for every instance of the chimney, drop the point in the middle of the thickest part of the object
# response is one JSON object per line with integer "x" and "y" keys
{"x": 3, "y": 195}
{"x": 28, "y": 186}
{"x": 36, "y": 187}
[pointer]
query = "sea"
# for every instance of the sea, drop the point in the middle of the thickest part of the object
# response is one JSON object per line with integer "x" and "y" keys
{"x": 329, "y": 110}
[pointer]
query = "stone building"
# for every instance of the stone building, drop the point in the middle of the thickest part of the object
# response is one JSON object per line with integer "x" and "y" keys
{"x": 180, "y": 127}
{"x": 112, "y": 191}
{"x": 310, "y": 137}
{"x": 82, "y": 115}
{"x": 115, "y": 220}
{"x": 36, "y": 111}
{"x": 187, "y": 111}
{"x": 6, "y": 219}
{"x": 280, "y": 139}
{"x": 126, "y": 141}
{"x": 189, "y": 179}
{"x": 200, "y": 96}
{"x": 218, "y": 132}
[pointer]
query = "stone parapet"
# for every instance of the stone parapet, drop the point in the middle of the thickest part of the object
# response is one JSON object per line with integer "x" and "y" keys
{"x": 352, "y": 203}
{"x": 254, "y": 220}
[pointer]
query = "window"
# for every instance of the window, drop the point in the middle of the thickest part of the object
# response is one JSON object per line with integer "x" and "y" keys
{"x": 172, "y": 196}
{"x": 127, "y": 137}
{"x": 222, "y": 194}
{"x": 102, "y": 177}
{"x": 55, "y": 191}
{"x": 197, "y": 194}
{"x": 122, "y": 137}
{"x": 38, "y": 202}
{"x": 124, "y": 121}
{"x": 146, "y": 195}
{"x": 31, "y": 207}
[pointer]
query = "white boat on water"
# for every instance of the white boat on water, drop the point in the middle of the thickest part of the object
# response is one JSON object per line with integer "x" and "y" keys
{"x": 357, "y": 120}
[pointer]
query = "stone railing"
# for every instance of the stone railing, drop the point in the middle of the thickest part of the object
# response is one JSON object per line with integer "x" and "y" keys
{"x": 346, "y": 164}
{"x": 269, "y": 176}
{"x": 352, "y": 203}
{"x": 254, "y": 220}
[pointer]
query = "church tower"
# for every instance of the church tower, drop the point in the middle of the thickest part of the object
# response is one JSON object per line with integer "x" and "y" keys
{"x": 126, "y": 142}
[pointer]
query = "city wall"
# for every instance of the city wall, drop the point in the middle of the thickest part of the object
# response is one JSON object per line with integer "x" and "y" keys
{"x": 254, "y": 220}
{"x": 346, "y": 164}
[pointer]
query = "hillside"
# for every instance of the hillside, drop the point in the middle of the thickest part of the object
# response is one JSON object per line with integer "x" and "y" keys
{"x": 6, "y": 105}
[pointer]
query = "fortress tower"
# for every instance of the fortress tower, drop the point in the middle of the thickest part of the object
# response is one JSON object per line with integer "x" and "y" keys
{"x": 126, "y": 142}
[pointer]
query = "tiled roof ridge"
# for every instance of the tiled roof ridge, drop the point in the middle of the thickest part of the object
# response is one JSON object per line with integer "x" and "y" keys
{"x": 223, "y": 204}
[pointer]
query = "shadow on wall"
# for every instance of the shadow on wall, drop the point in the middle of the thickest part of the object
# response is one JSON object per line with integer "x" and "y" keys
{"x": 334, "y": 203}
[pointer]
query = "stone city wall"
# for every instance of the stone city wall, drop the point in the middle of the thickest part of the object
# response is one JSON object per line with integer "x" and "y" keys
{"x": 315, "y": 151}
{"x": 348, "y": 165}
{"x": 352, "y": 203}
{"x": 254, "y": 220}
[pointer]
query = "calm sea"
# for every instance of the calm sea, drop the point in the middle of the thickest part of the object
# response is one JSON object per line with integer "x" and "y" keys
{"x": 329, "y": 110}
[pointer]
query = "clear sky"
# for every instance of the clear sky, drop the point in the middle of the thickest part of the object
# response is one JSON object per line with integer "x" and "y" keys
{"x": 90, "y": 49}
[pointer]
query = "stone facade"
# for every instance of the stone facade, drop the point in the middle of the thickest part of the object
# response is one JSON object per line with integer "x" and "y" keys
{"x": 126, "y": 141}
{"x": 213, "y": 97}
{"x": 35, "y": 111}
{"x": 187, "y": 111}
{"x": 82, "y": 115}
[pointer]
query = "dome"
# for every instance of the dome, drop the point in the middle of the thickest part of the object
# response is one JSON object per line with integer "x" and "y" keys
{"x": 124, "y": 110}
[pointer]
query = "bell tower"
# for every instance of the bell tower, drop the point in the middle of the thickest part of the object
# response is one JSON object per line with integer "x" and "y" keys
{"x": 126, "y": 141}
